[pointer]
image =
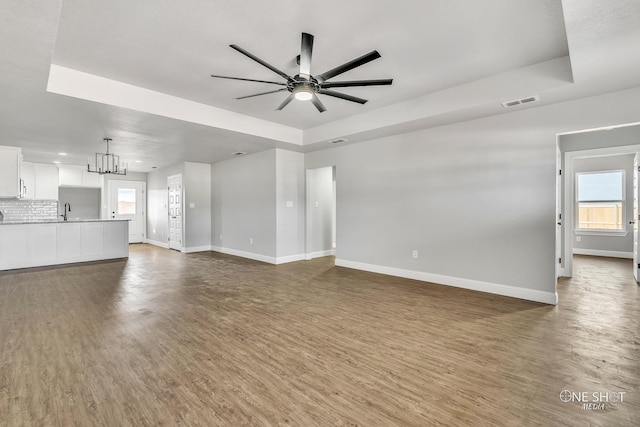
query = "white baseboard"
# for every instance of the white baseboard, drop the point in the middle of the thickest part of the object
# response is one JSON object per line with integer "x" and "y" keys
{"x": 289, "y": 258}
{"x": 243, "y": 254}
{"x": 476, "y": 285}
{"x": 196, "y": 249}
{"x": 319, "y": 254}
{"x": 598, "y": 252}
{"x": 156, "y": 243}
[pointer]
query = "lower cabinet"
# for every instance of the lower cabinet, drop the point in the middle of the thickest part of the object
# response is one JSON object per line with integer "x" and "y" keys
{"x": 41, "y": 244}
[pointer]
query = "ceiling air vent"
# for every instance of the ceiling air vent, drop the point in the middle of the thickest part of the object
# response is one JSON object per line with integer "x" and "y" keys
{"x": 526, "y": 100}
{"x": 337, "y": 141}
{"x": 239, "y": 153}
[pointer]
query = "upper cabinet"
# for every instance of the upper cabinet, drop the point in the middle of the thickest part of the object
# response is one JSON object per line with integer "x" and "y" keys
{"x": 28, "y": 175}
{"x": 78, "y": 176}
{"x": 10, "y": 184}
{"x": 39, "y": 181}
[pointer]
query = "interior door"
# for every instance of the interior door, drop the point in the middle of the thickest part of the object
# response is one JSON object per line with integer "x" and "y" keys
{"x": 636, "y": 217}
{"x": 174, "y": 184}
{"x": 127, "y": 201}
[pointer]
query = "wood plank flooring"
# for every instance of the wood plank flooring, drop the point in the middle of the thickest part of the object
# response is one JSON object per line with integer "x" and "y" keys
{"x": 206, "y": 339}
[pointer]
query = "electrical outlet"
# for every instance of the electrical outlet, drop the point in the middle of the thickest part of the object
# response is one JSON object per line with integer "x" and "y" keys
{"x": 251, "y": 240}
{"x": 221, "y": 237}
{"x": 415, "y": 253}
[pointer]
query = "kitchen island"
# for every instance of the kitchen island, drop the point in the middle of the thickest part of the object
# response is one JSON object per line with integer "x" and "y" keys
{"x": 26, "y": 244}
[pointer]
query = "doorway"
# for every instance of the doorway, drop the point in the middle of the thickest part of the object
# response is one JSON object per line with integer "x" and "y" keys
{"x": 321, "y": 229}
{"x": 175, "y": 212}
{"x": 127, "y": 201}
{"x": 574, "y": 237}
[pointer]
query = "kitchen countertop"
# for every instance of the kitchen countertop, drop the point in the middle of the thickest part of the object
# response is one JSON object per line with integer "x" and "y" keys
{"x": 54, "y": 221}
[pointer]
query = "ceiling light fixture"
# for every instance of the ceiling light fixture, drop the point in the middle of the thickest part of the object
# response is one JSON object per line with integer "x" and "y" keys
{"x": 303, "y": 92}
{"x": 62, "y": 154}
{"x": 106, "y": 163}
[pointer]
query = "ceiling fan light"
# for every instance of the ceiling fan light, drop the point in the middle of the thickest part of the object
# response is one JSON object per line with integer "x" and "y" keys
{"x": 303, "y": 94}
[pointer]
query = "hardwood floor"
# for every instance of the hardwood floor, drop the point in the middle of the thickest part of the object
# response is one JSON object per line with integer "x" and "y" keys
{"x": 208, "y": 339}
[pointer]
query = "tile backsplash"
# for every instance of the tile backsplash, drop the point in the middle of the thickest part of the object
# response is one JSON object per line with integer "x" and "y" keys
{"x": 29, "y": 210}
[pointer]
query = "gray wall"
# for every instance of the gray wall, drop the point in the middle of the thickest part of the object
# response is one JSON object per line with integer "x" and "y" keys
{"x": 290, "y": 221}
{"x": 196, "y": 183}
{"x": 607, "y": 243}
{"x": 320, "y": 210}
{"x": 627, "y": 135}
{"x": 85, "y": 202}
{"x": 476, "y": 199}
{"x": 243, "y": 194}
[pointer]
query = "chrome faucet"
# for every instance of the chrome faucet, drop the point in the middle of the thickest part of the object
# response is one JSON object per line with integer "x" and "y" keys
{"x": 66, "y": 205}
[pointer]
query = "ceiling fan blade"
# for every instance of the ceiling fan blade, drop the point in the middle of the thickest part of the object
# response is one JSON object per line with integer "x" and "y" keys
{"x": 285, "y": 102}
{"x": 263, "y": 93}
{"x": 379, "y": 82}
{"x": 248, "y": 80}
{"x": 348, "y": 66}
{"x": 305, "y": 55}
{"x": 343, "y": 96}
{"x": 260, "y": 61}
{"x": 316, "y": 101}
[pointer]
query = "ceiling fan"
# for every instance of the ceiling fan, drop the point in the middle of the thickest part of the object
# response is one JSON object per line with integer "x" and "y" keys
{"x": 305, "y": 86}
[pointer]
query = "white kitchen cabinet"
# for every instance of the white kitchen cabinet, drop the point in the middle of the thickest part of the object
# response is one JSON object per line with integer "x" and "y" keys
{"x": 39, "y": 181}
{"x": 28, "y": 175}
{"x": 78, "y": 176}
{"x": 10, "y": 185}
{"x": 59, "y": 242}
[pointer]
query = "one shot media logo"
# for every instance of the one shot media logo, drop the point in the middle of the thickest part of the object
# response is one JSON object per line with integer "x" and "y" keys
{"x": 594, "y": 400}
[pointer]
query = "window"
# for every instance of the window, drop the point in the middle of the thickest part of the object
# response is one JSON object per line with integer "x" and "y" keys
{"x": 600, "y": 199}
{"x": 126, "y": 201}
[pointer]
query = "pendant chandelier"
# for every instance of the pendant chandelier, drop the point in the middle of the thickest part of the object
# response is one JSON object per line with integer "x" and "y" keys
{"x": 106, "y": 163}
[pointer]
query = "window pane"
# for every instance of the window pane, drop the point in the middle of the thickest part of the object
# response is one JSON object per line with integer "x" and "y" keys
{"x": 599, "y": 186}
{"x": 126, "y": 201}
{"x": 602, "y": 216}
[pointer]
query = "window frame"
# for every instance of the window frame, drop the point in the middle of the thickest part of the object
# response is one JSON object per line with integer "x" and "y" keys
{"x": 601, "y": 231}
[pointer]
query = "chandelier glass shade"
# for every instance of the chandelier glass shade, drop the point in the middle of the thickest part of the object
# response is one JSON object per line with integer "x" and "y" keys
{"x": 106, "y": 163}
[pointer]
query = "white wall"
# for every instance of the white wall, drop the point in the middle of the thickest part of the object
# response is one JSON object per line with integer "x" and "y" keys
{"x": 320, "y": 212}
{"x": 598, "y": 244}
{"x": 476, "y": 199}
{"x": 290, "y": 221}
{"x": 243, "y": 194}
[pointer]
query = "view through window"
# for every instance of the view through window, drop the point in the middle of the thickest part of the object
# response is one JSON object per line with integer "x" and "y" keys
{"x": 126, "y": 201}
{"x": 600, "y": 200}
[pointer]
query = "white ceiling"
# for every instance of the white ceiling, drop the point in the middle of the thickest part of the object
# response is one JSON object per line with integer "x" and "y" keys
{"x": 450, "y": 61}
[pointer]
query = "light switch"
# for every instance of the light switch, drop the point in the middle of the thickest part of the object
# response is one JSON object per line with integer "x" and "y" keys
{"x": 317, "y": 204}
{"x": 192, "y": 205}
{"x": 289, "y": 203}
